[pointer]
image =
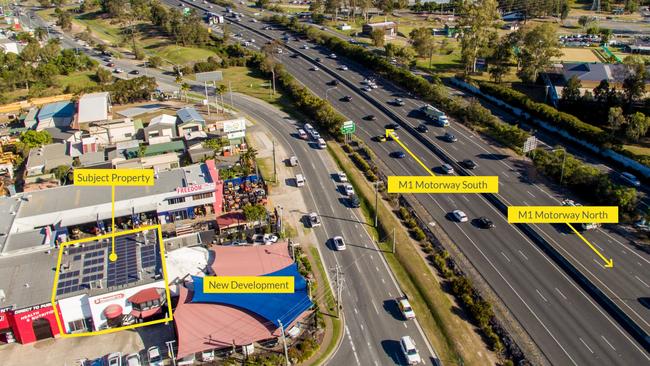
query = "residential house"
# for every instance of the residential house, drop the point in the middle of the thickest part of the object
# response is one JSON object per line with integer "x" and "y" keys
{"x": 189, "y": 120}
{"x": 57, "y": 114}
{"x": 162, "y": 162}
{"x": 43, "y": 159}
{"x": 160, "y": 129}
{"x": 111, "y": 132}
{"x": 389, "y": 28}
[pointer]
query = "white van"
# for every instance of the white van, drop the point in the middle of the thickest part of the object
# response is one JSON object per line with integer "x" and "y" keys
{"x": 307, "y": 127}
{"x": 293, "y": 161}
{"x": 321, "y": 143}
{"x": 300, "y": 180}
{"x": 302, "y": 134}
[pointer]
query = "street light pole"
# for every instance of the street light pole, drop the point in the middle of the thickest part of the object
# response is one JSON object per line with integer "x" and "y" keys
{"x": 327, "y": 91}
{"x": 563, "y": 161}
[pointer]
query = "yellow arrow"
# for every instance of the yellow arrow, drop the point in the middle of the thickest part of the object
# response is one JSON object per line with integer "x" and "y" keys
{"x": 609, "y": 263}
{"x": 391, "y": 133}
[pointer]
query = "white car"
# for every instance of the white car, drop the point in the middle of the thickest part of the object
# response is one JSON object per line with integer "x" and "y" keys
{"x": 373, "y": 85}
{"x": 348, "y": 189}
{"x": 270, "y": 239}
{"x": 114, "y": 359}
{"x": 405, "y": 308}
{"x": 153, "y": 354}
{"x": 459, "y": 216}
{"x": 339, "y": 244}
{"x": 448, "y": 169}
{"x": 133, "y": 360}
{"x": 252, "y": 40}
{"x": 366, "y": 88}
{"x": 410, "y": 352}
{"x": 314, "y": 220}
{"x": 333, "y": 56}
{"x": 305, "y": 47}
{"x": 343, "y": 68}
{"x": 314, "y": 68}
{"x": 630, "y": 179}
{"x": 342, "y": 177}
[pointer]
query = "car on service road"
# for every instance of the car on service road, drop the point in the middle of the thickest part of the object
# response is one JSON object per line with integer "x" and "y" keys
{"x": 342, "y": 177}
{"x": 398, "y": 154}
{"x": 459, "y": 215}
{"x": 398, "y": 102}
{"x": 410, "y": 352}
{"x": 630, "y": 179}
{"x": 405, "y": 308}
{"x": 339, "y": 243}
{"x": 343, "y": 68}
{"x": 423, "y": 128}
{"x": 314, "y": 220}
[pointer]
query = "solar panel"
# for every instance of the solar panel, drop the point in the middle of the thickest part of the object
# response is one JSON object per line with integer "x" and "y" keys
{"x": 125, "y": 269}
{"x": 148, "y": 256}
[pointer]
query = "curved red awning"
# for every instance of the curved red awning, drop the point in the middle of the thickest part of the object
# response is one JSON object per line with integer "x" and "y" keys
{"x": 145, "y": 295}
{"x": 112, "y": 311}
{"x": 145, "y": 313}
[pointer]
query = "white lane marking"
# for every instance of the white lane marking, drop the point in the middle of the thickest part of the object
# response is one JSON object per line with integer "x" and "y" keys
{"x": 505, "y": 174}
{"x": 526, "y": 203}
{"x": 465, "y": 198}
{"x": 504, "y": 254}
{"x": 356, "y": 311}
{"x": 382, "y": 281}
{"x": 361, "y": 325}
{"x": 606, "y": 341}
{"x": 542, "y": 296}
{"x": 390, "y": 294}
{"x": 354, "y": 350}
{"x": 523, "y": 255}
{"x": 598, "y": 246}
{"x": 560, "y": 292}
{"x": 374, "y": 307}
{"x": 404, "y": 325}
{"x": 583, "y": 342}
{"x": 377, "y": 268}
{"x": 640, "y": 280}
{"x": 532, "y": 195}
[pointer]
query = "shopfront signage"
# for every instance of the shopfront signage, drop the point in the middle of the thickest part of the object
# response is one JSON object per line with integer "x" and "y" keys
{"x": 108, "y": 298}
{"x": 236, "y": 135}
{"x": 234, "y": 125}
{"x": 35, "y": 307}
{"x": 194, "y": 188}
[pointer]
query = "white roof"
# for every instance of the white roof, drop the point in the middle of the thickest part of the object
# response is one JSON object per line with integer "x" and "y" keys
{"x": 93, "y": 107}
{"x": 164, "y": 119}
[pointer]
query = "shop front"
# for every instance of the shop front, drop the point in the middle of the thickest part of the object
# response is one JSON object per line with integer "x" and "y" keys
{"x": 28, "y": 325}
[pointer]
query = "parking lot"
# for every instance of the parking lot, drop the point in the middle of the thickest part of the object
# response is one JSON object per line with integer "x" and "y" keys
{"x": 68, "y": 351}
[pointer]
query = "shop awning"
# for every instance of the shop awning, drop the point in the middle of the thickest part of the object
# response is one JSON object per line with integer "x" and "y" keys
{"x": 146, "y": 313}
{"x": 112, "y": 311}
{"x": 145, "y": 295}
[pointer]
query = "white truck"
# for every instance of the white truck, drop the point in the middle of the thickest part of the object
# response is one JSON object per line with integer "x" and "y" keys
{"x": 437, "y": 116}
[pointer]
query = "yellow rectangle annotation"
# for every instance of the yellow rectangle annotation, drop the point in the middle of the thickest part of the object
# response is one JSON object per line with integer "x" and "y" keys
{"x": 443, "y": 184}
{"x": 248, "y": 284}
{"x": 113, "y": 177}
{"x": 563, "y": 214}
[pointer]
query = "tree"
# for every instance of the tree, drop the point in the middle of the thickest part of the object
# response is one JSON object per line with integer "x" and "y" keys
{"x": 247, "y": 160}
{"x": 50, "y": 51}
{"x": 254, "y": 213}
{"x": 584, "y": 21}
{"x": 40, "y": 33}
{"x": 571, "y": 91}
{"x": 261, "y": 3}
{"x": 155, "y": 61}
{"x": 33, "y": 138}
{"x": 500, "y": 59}
{"x": 564, "y": 10}
{"x": 637, "y": 126}
{"x": 63, "y": 19}
{"x": 60, "y": 171}
{"x": 103, "y": 75}
{"x": 405, "y": 55}
{"x": 332, "y": 7}
{"x": 377, "y": 37}
{"x": 423, "y": 42}
{"x": 538, "y": 46}
{"x": 605, "y": 35}
{"x": 615, "y": 119}
{"x": 478, "y": 22}
{"x": 634, "y": 83}
{"x": 631, "y": 6}
{"x": 390, "y": 49}
{"x": 30, "y": 52}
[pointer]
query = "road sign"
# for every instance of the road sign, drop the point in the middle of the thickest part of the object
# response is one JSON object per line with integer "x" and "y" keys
{"x": 530, "y": 144}
{"x": 348, "y": 127}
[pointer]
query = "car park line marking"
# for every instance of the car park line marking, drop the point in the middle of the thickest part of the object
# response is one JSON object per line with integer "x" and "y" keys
{"x": 606, "y": 341}
{"x": 504, "y": 254}
{"x": 640, "y": 280}
{"x": 583, "y": 342}
{"x": 542, "y": 296}
{"x": 523, "y": 255}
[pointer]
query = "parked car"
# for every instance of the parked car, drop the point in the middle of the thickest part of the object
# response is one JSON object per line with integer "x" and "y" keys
{"x": 342, "y": 177}
{"x": 630, "y": 179}
{"x": 133, "y": 360}
{"x": 410, "y": 352}
{"x": 405, "y": 308}
{"x": 343, "y": 68}
{"x": 469, "y": 164}
{"x": 339, "y": 243}
{"x": 353, "y": 200}
{"x": 153, "y": 354}
{"x": 485, "y": 223}
{"x": 347, "y": 189}
{"x": 114, "y": 359}
{"x": 459, "y": 215}
{"x": 207, "y": 356}
{"x": 314, "y": 220}
{"x": 135, "y": 72}
{"x": 447, "y": 169}
{"x": 449, "y": 137}
{"x": 300, "y": 180}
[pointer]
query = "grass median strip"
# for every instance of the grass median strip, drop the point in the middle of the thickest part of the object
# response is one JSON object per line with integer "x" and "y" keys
{"x": 450, "y": 335}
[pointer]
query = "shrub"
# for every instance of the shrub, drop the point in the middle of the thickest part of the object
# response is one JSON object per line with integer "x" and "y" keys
{"x": 347, "y": 148}
{"x": 418, "y": 234}
{"x": 404, "y": 213}
{"x": 410, "y": 223}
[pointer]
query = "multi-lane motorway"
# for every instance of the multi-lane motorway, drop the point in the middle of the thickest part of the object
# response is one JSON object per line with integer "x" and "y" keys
{"x": 373, "y": 324}
{"x": 564, "y": 321}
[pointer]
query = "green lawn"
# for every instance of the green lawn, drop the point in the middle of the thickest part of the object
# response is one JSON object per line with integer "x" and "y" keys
{"x": 180, "y": 54}
{"x": 76, "y": 80}
{"x": 639, "y": 150}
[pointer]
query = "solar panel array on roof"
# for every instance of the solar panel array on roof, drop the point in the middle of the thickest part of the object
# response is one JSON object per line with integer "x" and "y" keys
{"x": 149, "y": 256}
{"x": 125, "y": 269}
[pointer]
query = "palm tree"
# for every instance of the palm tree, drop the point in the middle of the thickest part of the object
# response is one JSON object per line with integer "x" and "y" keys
{"x": 40, "y": 33}
{"x": 248, "y": 159}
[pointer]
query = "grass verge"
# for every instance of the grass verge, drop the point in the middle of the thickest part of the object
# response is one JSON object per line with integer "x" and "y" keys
{"x": 450, "y": 336}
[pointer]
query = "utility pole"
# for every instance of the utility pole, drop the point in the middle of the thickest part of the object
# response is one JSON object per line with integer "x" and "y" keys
{"x": 205, "y": 85}
{"x": 284, "y": 343}
{"x": 275, "y": 172}
{"x": 230, "y": 89}
{"x": 376, "y": 207}
{"x": 393, "y": 240}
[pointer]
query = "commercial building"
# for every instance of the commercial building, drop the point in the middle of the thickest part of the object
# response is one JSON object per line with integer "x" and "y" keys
{"x": 57, "y": 114}
{"x": 93, "y": 107}
{"x": 160, "y": 129}
{"x": 389, "y": 28}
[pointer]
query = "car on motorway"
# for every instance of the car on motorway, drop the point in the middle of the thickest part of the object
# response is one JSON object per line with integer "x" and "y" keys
{"x": 343, "y": 68}
{"x": 366, "y": 88}
{"x": 246, "y": 43}
{"x": 305, "y": 47}
{"x": 469, "y": 164}
{"x": 423, "y": 128}
{"x": 630, "y": 179}
{"x": 346, "y": 98}
{"x": 447, "y": 169}
{"x": 134, "y": 72}
{"x": 341, "y": 176}
{"x": 381, "y": 138}
{"x": 314, "y": 220}
{"x": 370, "y": 117}
{"x": 294, "y": 55}
{"x": 332, "y": 56}
{"x": 459, "y": 215}
{"x": 339, "y": 243}
{"x": 253, "y": 20}
{"x": 293, "y": 161}
{"x": 405, "y": 308}
{"x": 393, "y": 136}
{"x": 372, "y": 85}
{"x": 314, "y": 68}
{"x": 398, "y": 102}
{"x": 153, "y": 354}
{"x": 449, "y": 137}
{"x": 484, "y": 223}
{"x": 114, "y": 359}
{"x": 317, "y": 59}
{"x": 252, "y": 40}
{"x": 353, "y": 201}
{"x": 398, "y": 154}
{"x": 133, "y": 360}
{"x": 347, "y": 189}
{"x": 393, "y": 126}
{"x": 334, "y": 82}
{"x": 410, "y": 352}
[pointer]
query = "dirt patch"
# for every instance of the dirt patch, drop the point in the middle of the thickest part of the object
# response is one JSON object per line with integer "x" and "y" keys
{"x": 578, "y": 55}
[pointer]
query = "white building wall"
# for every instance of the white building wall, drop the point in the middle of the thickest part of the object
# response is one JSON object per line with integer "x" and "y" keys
{"x": 74, "y": 308}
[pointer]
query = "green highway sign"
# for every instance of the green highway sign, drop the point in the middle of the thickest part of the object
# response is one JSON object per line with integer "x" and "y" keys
{"x": 348, "y": 127}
